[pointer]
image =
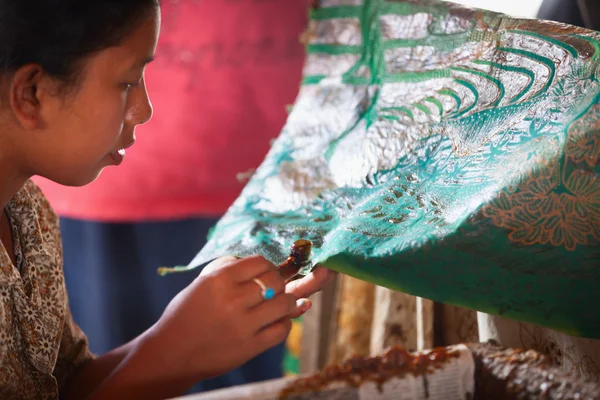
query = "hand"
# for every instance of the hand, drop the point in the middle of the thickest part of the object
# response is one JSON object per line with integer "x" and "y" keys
{"x": 221, "y": 320}
{"x": 309, "y": 285}
{"x": 300, "y": 288}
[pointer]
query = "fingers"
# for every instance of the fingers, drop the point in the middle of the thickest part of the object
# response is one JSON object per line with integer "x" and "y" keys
{"x": 246, "y": 269}
{"x": 302, "y": 306}
{"x": 278, "y": 331}
{"x": 217, "y": 264}
{"x": 270, "y": 311}
{"x": 311, "y": 283}
{"x": 273, "y": 335}
{"x": 271, "y": 280}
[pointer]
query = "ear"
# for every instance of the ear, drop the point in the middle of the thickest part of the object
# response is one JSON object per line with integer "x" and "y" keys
{"x": 24, "y": 95}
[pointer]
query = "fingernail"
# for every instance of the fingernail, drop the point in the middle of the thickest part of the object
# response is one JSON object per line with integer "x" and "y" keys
{"x": 304, "y": 305}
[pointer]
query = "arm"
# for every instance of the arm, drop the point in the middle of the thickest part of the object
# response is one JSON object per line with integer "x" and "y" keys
{"x": 214, "y": 325}
{"x": 152, "y": 366}
{"x": 95, "y": 371}
{"x": 134, "y": 370}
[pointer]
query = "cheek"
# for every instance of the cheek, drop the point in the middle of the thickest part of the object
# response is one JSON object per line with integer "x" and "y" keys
{"x": 106, "y": 117}
{"x": 111, "y": 111}
{"x": 93, "y": 131}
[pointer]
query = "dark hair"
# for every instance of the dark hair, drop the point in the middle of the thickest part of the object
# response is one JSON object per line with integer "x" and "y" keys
{"x": 59, "y": 34}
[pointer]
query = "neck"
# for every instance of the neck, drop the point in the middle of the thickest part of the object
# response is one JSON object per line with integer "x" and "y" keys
{"x": 11, "y": 179}
{"x": 12, "y": 175}
{"x": 10, "y": 186}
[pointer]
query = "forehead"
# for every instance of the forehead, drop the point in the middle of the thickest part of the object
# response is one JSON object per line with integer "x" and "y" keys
{"x": 143, "y": 39}
{"x": 135, "y": 50}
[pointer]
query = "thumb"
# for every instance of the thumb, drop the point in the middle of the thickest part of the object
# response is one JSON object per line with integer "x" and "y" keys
{"x": 302, "y": 306}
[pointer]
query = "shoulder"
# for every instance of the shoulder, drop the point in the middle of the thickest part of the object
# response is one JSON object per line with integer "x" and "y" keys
{"x": 42, "y": 211}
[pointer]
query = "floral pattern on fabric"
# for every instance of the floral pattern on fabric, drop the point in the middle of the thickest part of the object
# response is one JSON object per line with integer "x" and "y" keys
{"x": 40, "y": 345}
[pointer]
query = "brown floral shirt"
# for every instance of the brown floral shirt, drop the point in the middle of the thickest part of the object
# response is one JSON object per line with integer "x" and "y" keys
{"x": 40, "y": 345}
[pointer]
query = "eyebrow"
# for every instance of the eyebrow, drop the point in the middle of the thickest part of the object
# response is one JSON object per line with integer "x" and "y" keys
{"x": 144, "y": 62}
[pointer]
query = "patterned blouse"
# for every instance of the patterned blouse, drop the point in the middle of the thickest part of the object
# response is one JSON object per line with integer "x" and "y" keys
{"x": 40, "y": 345}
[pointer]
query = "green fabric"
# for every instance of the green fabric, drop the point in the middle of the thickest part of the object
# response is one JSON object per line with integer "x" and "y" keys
{"x": 443, "y": 152}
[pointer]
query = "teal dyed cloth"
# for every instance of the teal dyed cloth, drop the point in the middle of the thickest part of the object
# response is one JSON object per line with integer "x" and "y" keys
{"x": 443, "y": 152}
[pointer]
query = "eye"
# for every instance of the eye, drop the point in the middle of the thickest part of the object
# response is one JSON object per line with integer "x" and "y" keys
{"x": 131, "y": 85}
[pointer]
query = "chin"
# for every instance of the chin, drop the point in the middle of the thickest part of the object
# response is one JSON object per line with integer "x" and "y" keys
{"x": 76, "y": 180}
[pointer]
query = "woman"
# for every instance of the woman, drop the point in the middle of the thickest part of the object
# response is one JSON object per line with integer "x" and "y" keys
{"x": 224, "y": 74}
{"x": 73, "y": 91}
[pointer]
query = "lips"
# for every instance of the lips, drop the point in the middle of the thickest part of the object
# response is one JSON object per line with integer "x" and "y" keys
{"x": 122, "y": 151}
{"x": 119, "y": 155}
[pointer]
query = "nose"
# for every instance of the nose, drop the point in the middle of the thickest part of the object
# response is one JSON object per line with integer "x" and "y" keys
{"x": 140, "y": 109}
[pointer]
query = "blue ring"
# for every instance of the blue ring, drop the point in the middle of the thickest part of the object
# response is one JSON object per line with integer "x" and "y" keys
{"x": 268, "y": 294}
